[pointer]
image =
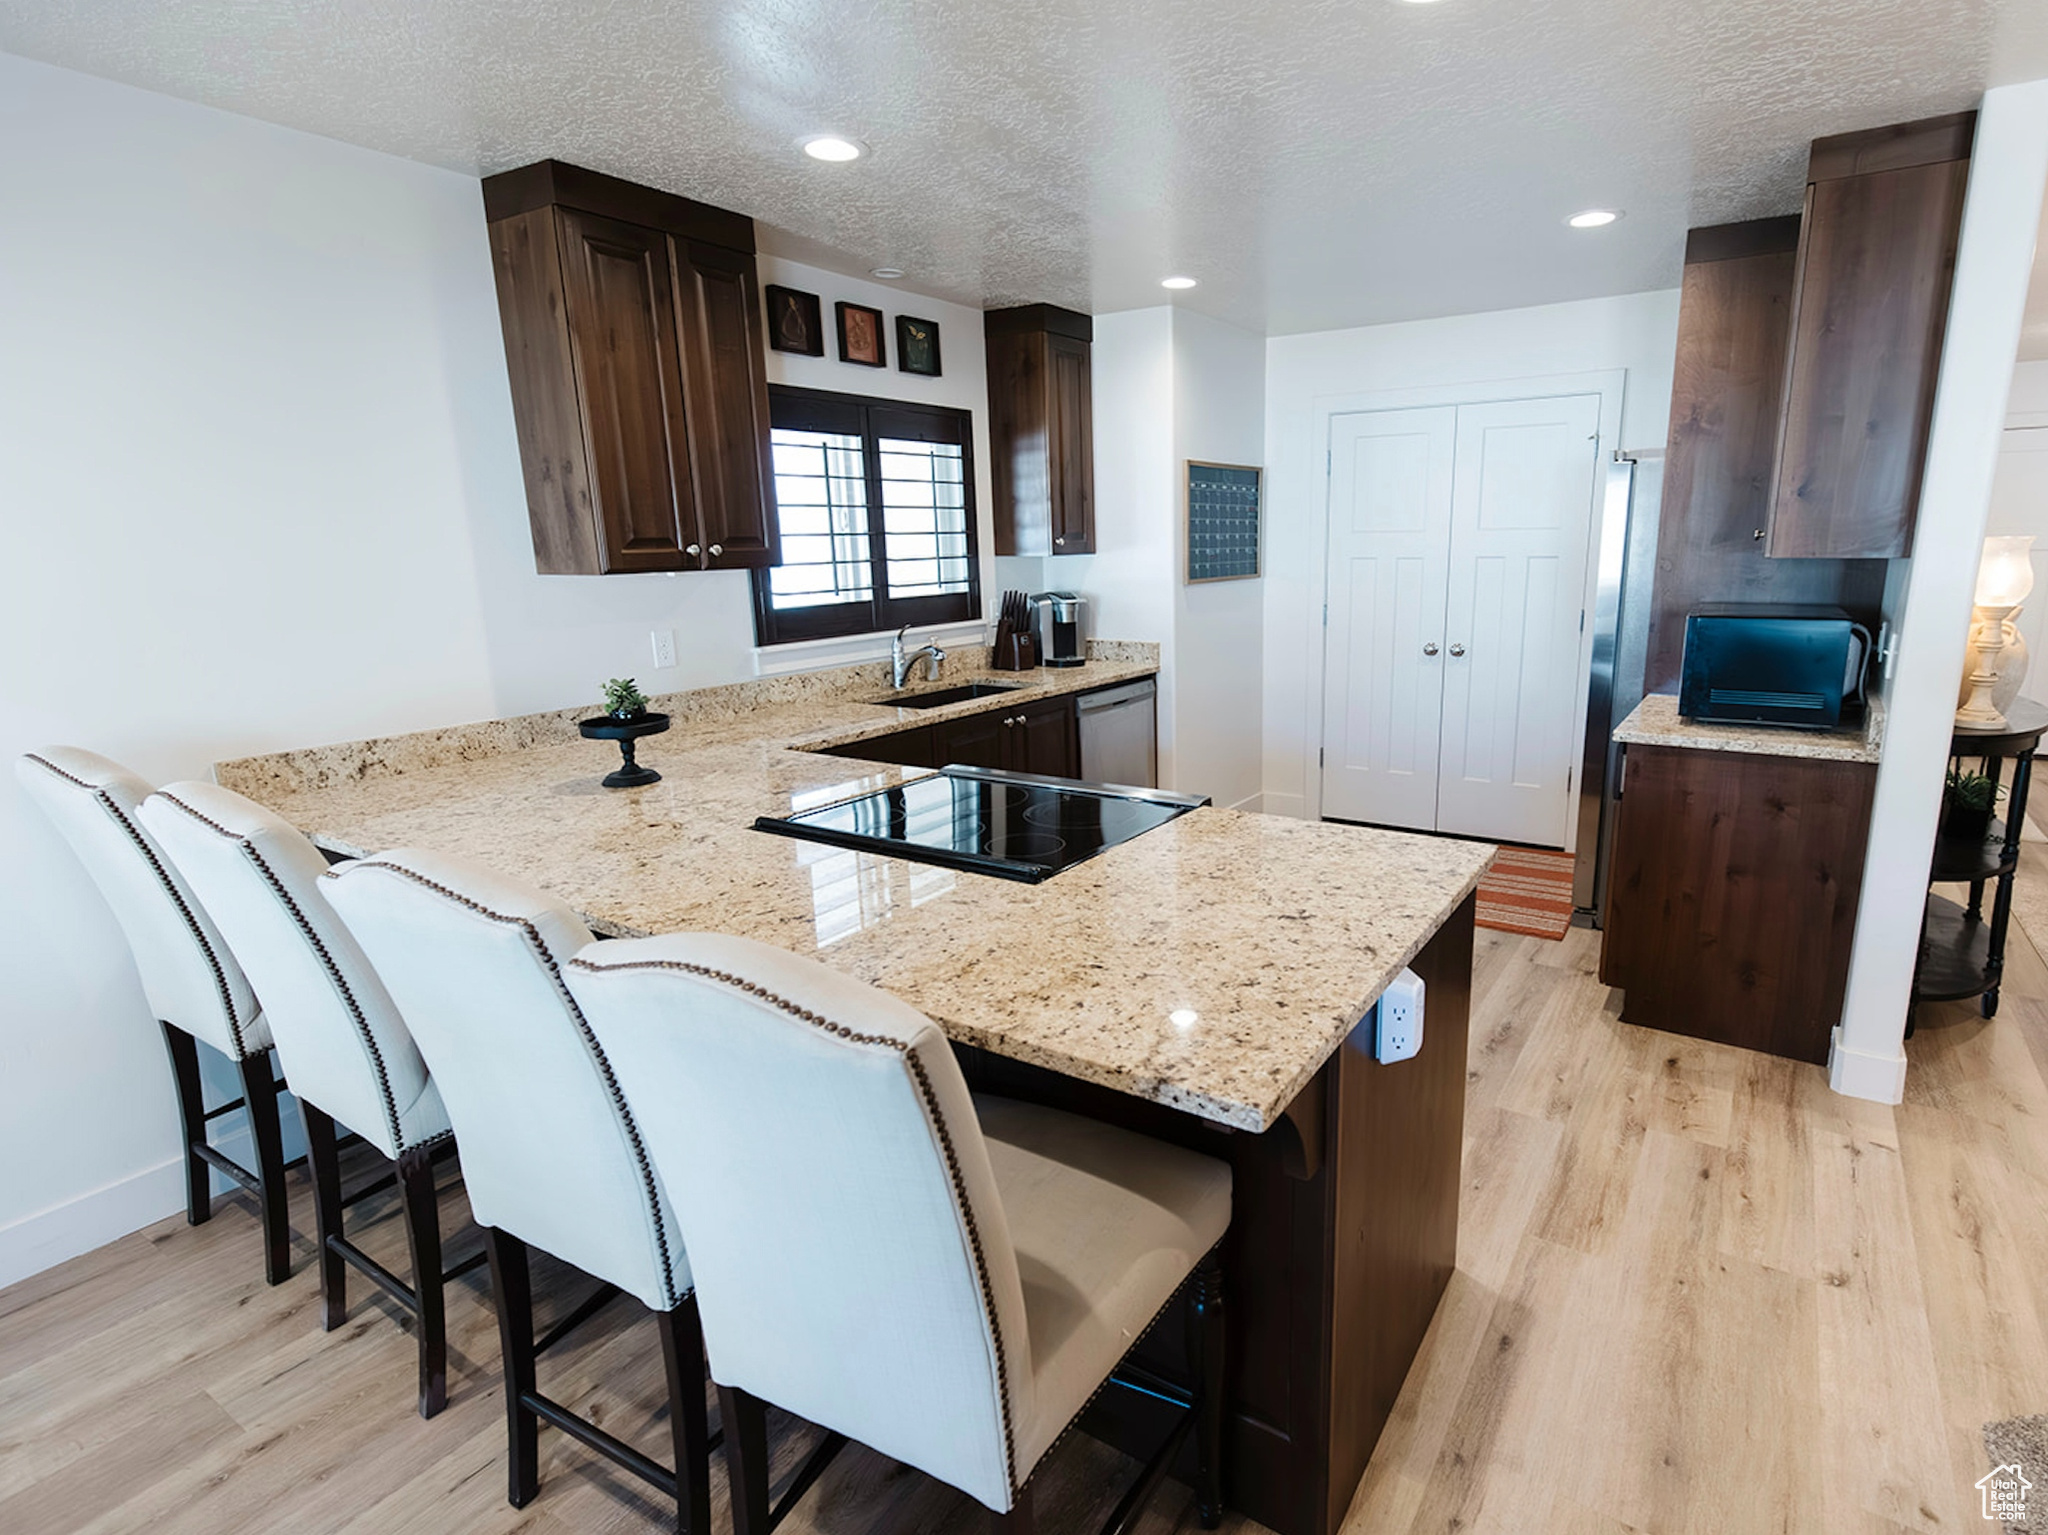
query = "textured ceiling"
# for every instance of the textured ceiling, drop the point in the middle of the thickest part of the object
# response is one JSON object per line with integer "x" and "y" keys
{"x": 1315, "y": 163}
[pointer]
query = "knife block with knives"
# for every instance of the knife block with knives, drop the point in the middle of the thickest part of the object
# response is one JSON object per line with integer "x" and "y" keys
{"x": 1016, "y": 647}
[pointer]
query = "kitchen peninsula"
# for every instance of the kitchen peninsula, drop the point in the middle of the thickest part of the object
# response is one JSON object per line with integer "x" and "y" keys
{"x": 1203, "y": 982}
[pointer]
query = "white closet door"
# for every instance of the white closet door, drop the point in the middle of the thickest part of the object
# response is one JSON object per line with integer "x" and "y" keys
{"x": 1522, "y": 513}
{"x": 1383, "y": 652}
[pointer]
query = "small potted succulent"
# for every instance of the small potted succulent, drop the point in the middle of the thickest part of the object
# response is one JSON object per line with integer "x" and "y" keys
{"x": 1966, "y": 803}
{"x": 623, "y": 699}
{"x": 625, "y": 719}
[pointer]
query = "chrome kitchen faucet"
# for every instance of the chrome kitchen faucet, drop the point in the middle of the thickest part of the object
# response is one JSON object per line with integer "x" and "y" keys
{"x": 900, "y": 663}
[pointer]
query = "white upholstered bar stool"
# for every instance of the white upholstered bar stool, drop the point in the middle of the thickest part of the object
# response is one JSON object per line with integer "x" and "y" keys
{"x": 947, "y": 1280}
{"x": 345, "y": 1049}
{"x": 551, "y": 1154}
{"x": 190, "y": 977}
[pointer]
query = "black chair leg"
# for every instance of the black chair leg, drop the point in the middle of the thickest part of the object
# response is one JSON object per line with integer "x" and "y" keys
{"x": 423, "y": 1232}
{"x": 682, "y": 1351}
{"x": 323, "y": 1159}
{"x": 745, "y": 1419}
{"x": 512, "y": 1290}
{"x": 184, "y": 1053}
{"x": 1206, "y": 1353}
{"x": 1020, "y": 1520}
{"x": 259, "y": 1092}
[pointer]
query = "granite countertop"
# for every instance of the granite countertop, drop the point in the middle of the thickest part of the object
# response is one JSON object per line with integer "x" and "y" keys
{"x": 1656, "y": 722}
{"x": 1267, "y": 938}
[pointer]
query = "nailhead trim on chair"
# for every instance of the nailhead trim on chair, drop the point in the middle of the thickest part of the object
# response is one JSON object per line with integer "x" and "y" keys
{"x": 604, "y": 1065}
{"x": 931, "y": 1105}
{"x": 220, "y": 975}
{"x": 334, "y": 975}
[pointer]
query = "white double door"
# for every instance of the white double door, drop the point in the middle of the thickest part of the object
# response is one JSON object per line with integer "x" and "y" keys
{"x": 1457, "y": 572}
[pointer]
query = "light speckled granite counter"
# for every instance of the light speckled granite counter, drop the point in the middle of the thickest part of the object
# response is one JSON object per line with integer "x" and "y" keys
{"x": 1656, "y": 722}
{"x": 1276, "y": 934}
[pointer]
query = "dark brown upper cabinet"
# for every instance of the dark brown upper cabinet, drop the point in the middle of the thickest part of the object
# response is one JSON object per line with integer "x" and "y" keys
{"x": 639, "y": 389}
{"x": 1877, "y": 253}
{"x": 1041, "y": 429}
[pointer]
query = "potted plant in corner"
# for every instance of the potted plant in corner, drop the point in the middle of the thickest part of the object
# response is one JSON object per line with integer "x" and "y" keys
{"x": 625, "y": 719}
{"x": 1966, "y": 802}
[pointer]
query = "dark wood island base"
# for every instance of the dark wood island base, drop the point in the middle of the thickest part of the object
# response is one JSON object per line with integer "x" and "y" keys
{"x": 1343, "y": 1237}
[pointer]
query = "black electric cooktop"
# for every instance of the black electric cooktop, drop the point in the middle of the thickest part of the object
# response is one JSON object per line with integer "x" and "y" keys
{"x": 1012, "y": 825}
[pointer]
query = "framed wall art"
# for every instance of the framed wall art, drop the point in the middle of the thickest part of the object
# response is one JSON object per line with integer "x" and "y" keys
{"x": 917, "y": 346}
{"x": 795, "y": 322}
{"x": 860, "y": 335}
{"x": 1223, "y": 522}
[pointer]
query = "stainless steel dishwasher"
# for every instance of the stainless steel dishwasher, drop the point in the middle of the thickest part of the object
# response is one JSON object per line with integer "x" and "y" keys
{"x": 1120, "y": 734}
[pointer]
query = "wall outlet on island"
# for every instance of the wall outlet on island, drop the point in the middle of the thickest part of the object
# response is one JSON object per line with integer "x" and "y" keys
{"x": 664, "y": 647}
{"x": 1398, "y": 1036}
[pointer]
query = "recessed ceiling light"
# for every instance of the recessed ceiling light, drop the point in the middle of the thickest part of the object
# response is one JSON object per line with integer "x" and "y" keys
{"x": 1594, "y": 218}
{"x": 1176, "y": 283}
{"x": 829, "y": 146}
{"x": 887, "y": 273}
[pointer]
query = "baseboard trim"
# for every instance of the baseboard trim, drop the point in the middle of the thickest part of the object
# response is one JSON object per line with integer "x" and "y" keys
{"x": 1295, "y": 805}
{"x": 1857, "y": 1074}
{"x": 1252, "y": 803}
{"x": 62, "y": 1232}
{"x": 50, "y": 1237}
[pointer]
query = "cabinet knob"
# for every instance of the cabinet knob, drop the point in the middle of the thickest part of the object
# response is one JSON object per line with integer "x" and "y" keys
{"x": 1457, "y": 650}
{"x": 1059, "y": 540}
{"x": 691, "y": 550}
{"x": 1430, "y": 648}
{"x": 1757, "y": 535}
{"x": 716, "y": 550}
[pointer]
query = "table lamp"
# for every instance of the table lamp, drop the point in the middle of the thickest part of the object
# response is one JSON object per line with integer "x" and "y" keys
{"x": 2004, "y": 578}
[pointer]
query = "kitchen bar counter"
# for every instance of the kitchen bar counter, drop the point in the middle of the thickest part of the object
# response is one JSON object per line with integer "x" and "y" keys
{"x": 1204, "y": 983}
{"x": 1656, "y": 722}
{"x": 1267, "y": 938}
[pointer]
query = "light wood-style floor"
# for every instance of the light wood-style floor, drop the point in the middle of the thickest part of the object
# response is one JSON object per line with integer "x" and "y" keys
{"x": 1697, "y": 1292}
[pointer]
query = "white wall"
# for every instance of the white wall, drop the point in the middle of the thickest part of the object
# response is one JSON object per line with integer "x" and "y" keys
{"x": 1168, "y": 386}
{"x": 2019, "y": 504}
{"x": 1637, "y": 333}
{"x": 263, "y": 491}
{"x": 2000, "y": 218}
{"x": 1219, "y": 415}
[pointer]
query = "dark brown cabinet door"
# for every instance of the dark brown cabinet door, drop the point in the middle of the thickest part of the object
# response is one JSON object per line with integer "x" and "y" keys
{"x": 639, "y": 386}
{"x": 629, "y": 378}
{"x": 976, "y": 741}
{"x": 1877, "y": 254}
{"x": 1733, "y": 898}
{"x": 908, "y": 748}
{"x": 1072, "y": 448}
{"x": 1042, "y": 738}
{"x": 1041, "y": 429}
{"x": 726, "y": 404}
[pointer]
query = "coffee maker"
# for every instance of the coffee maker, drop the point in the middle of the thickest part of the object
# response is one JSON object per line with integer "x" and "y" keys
{"x": 1060, "y": 640}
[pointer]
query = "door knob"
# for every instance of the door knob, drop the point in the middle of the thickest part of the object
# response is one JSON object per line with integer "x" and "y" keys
{"x": 1457, "y": 650}
{"x": 1430, "y": 648}
{"x": 716, "y": 550}
{"x": 692, "y": 550}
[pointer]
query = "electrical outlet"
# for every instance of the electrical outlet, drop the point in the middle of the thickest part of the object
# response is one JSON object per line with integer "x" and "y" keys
{"x": 1398, "y": 1035}
{"x": 664, "y": 648}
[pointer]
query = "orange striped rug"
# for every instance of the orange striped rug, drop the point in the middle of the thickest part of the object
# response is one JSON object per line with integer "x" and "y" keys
{"x": 1528, "y": 890}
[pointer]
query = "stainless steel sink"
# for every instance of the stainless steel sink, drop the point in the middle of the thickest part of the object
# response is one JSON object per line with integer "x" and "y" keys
{"x": 944, "y": 696}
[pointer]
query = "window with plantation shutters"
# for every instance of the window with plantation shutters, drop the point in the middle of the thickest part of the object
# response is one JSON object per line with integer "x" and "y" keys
{"x": 875, "y": 500}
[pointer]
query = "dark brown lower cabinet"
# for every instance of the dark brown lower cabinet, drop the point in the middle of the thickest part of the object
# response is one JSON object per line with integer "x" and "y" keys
{"x": 908, "y": 748}
{"x": 1042, "y": 737}
{"x": 1733, "y": 897}
{"x": 1343, "y": 1235}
